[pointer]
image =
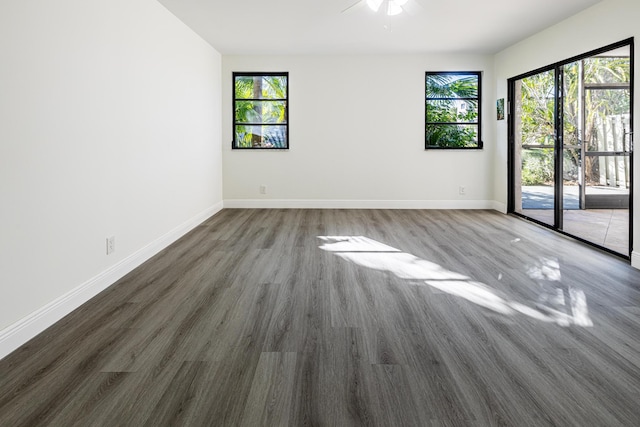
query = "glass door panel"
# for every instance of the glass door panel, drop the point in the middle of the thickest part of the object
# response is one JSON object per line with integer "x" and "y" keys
{"x": 571, "y": 183}
{"x": 571, "y": 138}
{"x": 571, "y": 135}
{"x": 598, "y": 89}
{"x": 535, "y": 146}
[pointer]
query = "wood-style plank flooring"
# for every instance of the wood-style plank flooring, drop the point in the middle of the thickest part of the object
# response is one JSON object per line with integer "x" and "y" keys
{"x": 345, "y": 318}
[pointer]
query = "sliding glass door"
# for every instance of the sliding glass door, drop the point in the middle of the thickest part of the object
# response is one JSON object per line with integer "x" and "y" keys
{"x": 571, "y": 147}
{"x": 534, "y": 132}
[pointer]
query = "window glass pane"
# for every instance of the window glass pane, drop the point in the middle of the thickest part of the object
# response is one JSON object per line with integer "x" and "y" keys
{"x": 452, "y": 136}
{"x": 600, "y": 70}
{"x": 261, "y": 108}
{"x": 261, "y": 111}
{"x": 536, "y": 108}
{"x": 608, "y": 124}
{"x": 444, "y": 85}
{"x": 571, "y": 104}
{"x": 274, "y": 87}
{"x": 608, "y": 173}
{"x": 261, "y": 87}
{"x": 266, "y": 136}
{"x": 452, "y": 110}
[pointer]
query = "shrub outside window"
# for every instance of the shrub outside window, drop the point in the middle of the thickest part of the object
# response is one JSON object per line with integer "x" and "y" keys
{"x": 261, "y": 114}
{"x": 453, "y": 110}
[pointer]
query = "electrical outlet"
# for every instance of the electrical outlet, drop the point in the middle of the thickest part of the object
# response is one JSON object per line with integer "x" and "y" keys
{"x": 263, "y": 189}
{"x": 111, "y": 245}
{"x": 462, "y": 190}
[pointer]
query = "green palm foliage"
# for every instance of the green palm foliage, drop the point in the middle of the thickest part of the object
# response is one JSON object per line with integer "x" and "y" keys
{"x": 452, "y": 110}
{"x": 260, "y": 111}
{"x": 537, "y": 104}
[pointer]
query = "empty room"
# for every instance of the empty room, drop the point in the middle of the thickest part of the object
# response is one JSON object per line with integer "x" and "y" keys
{"x": 331, "y": 213}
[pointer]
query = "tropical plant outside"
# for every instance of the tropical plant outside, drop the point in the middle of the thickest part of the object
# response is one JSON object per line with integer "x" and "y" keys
{"x": 260, "y": 116}
{"x": 537, "y": 128}
{"x": 452, "y": 110}
{"x": 537, "y": 116}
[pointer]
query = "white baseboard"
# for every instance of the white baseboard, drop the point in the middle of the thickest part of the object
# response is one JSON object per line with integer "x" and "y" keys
{"x": 498, "y": 206}
{"x": 357, "y": 204}
{"x": 25, "y": 329}
{"x": 635, "y": 259}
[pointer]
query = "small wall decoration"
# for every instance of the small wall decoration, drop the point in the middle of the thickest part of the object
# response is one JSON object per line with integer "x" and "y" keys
{"x": 500, "y": 108}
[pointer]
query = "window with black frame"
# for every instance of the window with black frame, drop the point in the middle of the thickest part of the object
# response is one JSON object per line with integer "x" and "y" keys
{"x": 453, "y": 110}
{"x": 261, "y": 113}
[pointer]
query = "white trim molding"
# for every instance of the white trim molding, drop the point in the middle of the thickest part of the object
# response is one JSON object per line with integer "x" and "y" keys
{"x": 499, "y": 206}
{"x": 357, "y": 204}
{"x": 635, "y": 259}
{"x": 17, "y": 334}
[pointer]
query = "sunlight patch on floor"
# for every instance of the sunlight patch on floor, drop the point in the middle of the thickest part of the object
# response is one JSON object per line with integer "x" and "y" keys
{"x": 556, "y": 303}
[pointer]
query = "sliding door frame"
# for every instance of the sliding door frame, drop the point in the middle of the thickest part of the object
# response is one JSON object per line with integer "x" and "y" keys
{"x": 559, "y": 146}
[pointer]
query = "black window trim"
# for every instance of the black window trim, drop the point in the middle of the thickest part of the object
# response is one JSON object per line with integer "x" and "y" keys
{"x": 480, "y": 145}
{"x": 234, "y": 146}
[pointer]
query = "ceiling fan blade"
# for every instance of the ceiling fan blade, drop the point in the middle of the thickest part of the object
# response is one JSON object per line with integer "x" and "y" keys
{"x": 412, "y": 7}
{"x": 352, "y": 6}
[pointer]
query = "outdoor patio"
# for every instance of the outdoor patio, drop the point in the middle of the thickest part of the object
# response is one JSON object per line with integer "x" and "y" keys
{"x": 605, "y": 227}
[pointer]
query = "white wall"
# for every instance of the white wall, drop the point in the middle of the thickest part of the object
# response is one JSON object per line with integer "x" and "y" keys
{"x": 605, "y": 23}
{"x": 357, "y": 136}
{"x": 109, "y": 125}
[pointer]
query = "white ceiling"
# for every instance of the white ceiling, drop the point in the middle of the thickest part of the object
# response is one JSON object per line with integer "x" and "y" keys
{"x": 320, "y": 26}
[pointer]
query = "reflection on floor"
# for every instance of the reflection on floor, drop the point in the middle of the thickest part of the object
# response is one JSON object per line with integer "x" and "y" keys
{"x": 605, "y": 227}
{"x": 557, "y": 303}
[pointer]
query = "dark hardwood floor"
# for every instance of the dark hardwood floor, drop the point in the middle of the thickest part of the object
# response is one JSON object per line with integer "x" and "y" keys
{"x": 345, "y": 317}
